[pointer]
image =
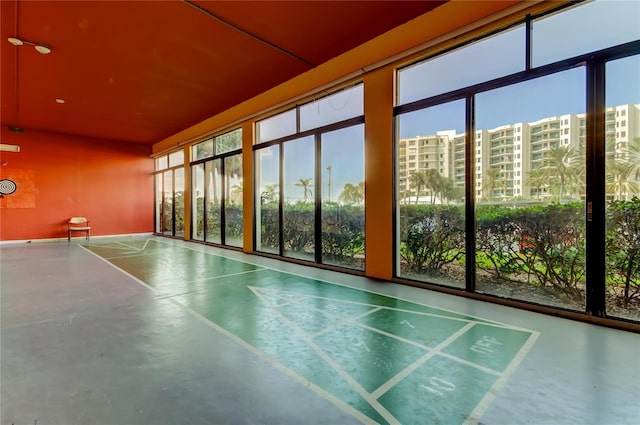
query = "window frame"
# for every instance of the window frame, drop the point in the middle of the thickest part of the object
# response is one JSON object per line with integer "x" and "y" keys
{"x": 594, "y": 63}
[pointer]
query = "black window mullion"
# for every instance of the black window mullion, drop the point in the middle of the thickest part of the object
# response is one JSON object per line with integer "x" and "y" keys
{"x": 223, "y": 196}
{"x": 281, "y": 201}
{"x": 205, "y": 215}
{"x": 596, "y": 190}
{"x": 155, "y": 204}
{"x": 173, "y": 203}
{"x": 318, "y": 200}
{"x": 527, "y": 42}
{"x": 257, "y": 199}
{"x": 470, "y": 196}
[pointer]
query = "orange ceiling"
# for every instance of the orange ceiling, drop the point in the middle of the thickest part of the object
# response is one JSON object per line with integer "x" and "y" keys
{"x": 141, "y": 71}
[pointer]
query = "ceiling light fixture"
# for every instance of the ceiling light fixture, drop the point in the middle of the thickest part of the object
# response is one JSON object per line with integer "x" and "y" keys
{"x": 59, "y": 100}
{"x": 40, "y": 48}
{"x": 43, "y": 49}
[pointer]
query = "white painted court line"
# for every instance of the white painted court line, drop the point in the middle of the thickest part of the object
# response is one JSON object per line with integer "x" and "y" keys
{"x": 346, "y": 408}
{"x": 342, "y": 320}
{"x": 344, "y": 374}
{"x": 353, "y": 321}
{"x": 402, "y": 310}
{"x": 412, "y": 367}
{"x": 483, "y": 405}
{"x": 222, "y": 276}
{"x": 471, "y": 364}
{"x": 133, "y": 247}
{"x": 137, "y": 254}
{"x": 506, "y": 325}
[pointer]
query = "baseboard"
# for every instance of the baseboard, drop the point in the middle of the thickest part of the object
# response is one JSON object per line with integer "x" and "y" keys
{"x": 75, "y": 238}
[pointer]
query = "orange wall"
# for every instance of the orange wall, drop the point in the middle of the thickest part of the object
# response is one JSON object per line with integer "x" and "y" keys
{"x": 59, "y": 176}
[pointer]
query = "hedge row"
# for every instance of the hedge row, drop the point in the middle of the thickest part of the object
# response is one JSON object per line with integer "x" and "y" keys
{"x": 543, "y": 245}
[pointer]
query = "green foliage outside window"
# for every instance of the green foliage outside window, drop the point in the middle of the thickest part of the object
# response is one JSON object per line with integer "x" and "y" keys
{"x": 536, "y": 245}
{"x": 623, "y": 250}
{"x": 342, "y": 231}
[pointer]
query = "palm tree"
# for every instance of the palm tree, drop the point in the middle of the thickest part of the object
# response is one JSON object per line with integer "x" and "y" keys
{"x": 448, "y": 190}
{"x": 306, "y": 185}
{"x": 619, "y": 182}
{"x": 538, "y": 178}
{"x": 236, "y": 193}
{"x": 228, "y": 141}
{"x": 232, "y": 169}
{"x": 632, "y": 154}
{"x": 352, "y": 194}
{"x": 561, "y": 163}
{"x": 417, "y": 180}
{"x": 215, "y": 169}
{"x": 491, "y": 181}
{"x": 433, "y": 179}
{"x": 269, "y": 194}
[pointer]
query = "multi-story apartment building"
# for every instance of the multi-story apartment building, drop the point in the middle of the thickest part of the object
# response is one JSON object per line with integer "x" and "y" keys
{"x": 507, "y": 157}
{"x": 422, "y": 153}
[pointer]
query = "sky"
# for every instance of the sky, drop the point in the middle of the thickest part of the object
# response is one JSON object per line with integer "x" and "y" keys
{"x": 591, "y": 27}
{"x": 341, "y": 149}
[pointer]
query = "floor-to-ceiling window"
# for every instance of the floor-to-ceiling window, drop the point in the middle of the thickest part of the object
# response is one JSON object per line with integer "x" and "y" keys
{"x": 216, "y": 176}
{"x": 309, "y": 170}
{"x": 500, "y": 162}
{"x": 530, "y": 199}
{"x": 622, "y": 150}
{"x": 169, "y": 184}
{"x": 430, "y": 187}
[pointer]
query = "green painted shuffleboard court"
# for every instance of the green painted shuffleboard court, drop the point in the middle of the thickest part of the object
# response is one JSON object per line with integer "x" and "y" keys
{"x": 384, "y": 360}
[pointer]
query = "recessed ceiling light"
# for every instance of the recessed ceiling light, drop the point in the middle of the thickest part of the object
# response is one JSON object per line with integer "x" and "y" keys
{"x": 59, "y": 100}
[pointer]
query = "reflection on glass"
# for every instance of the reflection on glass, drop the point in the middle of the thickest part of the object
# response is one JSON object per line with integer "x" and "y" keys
{"x": 176, "y": 158}
{"x": 197, "y": 209}
{"x": 276, "y": 126}
{"x": 267, "y": 194}
{"x": 299, "y": 206}
{"x": 167, "y": 205}
{"x": 214, "y": 201}
{"x": 622, "y": 146}
{"x": 489, "y": 58}
{"x": 229, "y": 141}
{"x": 233, "y": 200}
{"x": 342, "y": 191}
{"x": 340, "y": 106}
{"x": 202, "y": 150}
{"x": 430, "y": 187}
{"x": 530, "y": 186}
{"x": 584, "y": 28}
{"x": 161, "y": 163}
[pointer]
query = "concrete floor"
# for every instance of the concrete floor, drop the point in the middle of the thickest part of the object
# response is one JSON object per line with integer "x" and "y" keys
{"x": 84, "y": 342}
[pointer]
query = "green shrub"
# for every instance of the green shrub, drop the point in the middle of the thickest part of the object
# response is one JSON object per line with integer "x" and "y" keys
{"x": 545, "y": 243}
{"x": 431, "y": 236}
{"x": 298, "y": 229}
{"x": 343, "y": 234}
{"x": 623, "y": 248}
{"x": 269, "y": 226}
